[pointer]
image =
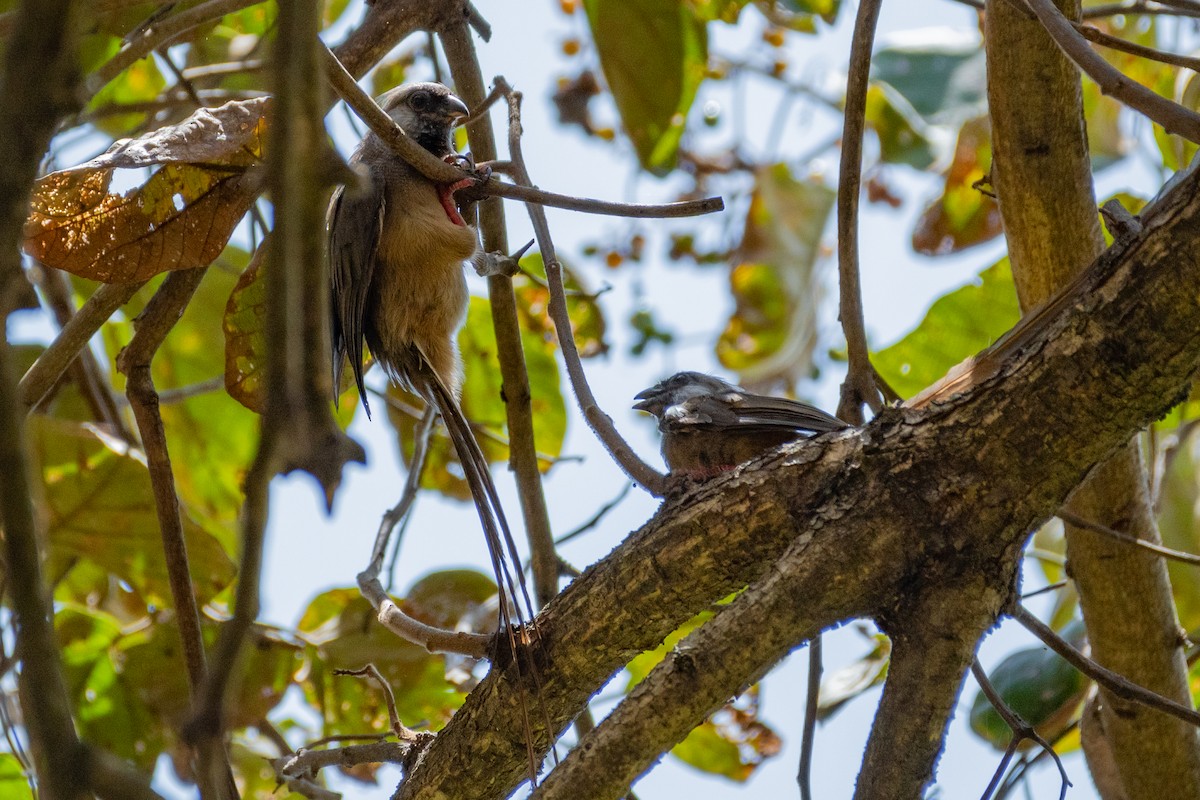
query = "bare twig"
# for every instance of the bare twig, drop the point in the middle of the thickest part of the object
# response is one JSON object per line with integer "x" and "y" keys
{"x": 215, "y": 774}
{"x": 859, "y": 386}
{"x": 1137, "y": 7}
{"x": 600, "y": 423}
{"x": 527, "y": 194}
{"x": 1093, "y": 34}
{"x": 435, "y": 640}
{"x": 811, "y": 705}
{"x": 412, "y": 484}
{"x": 74, "y": 336}
{"x": 1175, "y": 555}
{"x": 1173, "y": 117}
{"x": 304, "y": 762}
{"x": 402, "y": 732}
{"x": 1021, "y": 730}
{"x": 1110, "y": 680}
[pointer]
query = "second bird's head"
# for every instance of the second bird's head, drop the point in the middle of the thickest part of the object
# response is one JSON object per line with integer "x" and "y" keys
{"x": 427, "y": 112}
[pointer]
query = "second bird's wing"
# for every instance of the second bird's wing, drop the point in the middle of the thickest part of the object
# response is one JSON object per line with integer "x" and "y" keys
{"x": 748, "y": 412}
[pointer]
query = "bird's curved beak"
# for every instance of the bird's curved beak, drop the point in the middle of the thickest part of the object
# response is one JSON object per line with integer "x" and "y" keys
{"x": 456, "y": 110}
{"x": 648, "y": 400}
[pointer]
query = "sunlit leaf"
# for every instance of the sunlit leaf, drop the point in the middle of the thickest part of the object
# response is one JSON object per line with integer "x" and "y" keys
{"x": 13, "y": 783}
{"x": 446, "y": 597}
{"x": 100, "y": 507}
{"x": 587, "y": 318}
{"x": 732, "y": 743}
{"x": 846, "y": 683}
{"x": 654, "y": 54}
{"x": 957, "y": 325}
{"x": 141, "y": 82}
{"x": 641, "y": 665}
{"x": 1039, "y": 685}
{"x": 245, "y": 336}
{"x": 773, "y": 329}
{"x": 344, "y": 634}
{"x": 180, "y": 218}
{"x": 1179, "y": 527}
{"x": 964, "y": 216}
{"x": 903, "y": 135}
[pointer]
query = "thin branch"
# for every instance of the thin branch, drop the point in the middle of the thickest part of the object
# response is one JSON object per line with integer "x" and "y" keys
{"x": 305, "y": 762}
{"x": 74, "y": 336}
{"x": 433, "y": 639}
{"x": 1128, "y": 538}
{"x": 1173, "y": 117}
{"x": 811, "y": 706}
{"x": 1093, "y": 34}
{"x": 412, "y": 484}
{"x": 600, "y": 423}
{"x": 1021, "y": 730}
{"x": 1136, "y": 7}
{"x": 528, "y": 194}
{"x": 214, "y": 774}
{"x": 1110, "y": 680}
{"x": 402, "y": 732}
{"x": 859, "y": 386}
{"x": 160, "y": 35}
{"x": 90, "y": 379}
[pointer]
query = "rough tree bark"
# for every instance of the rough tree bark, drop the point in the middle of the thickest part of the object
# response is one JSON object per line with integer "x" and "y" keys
{"x": 1042, "y": 175}
{"x": 869, "y": 520}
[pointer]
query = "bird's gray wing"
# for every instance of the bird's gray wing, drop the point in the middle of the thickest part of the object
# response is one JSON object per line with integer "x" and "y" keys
{"x": 749, "y": 413}
{"x": 355, "y": 225}
{"x": 763, "y": 412}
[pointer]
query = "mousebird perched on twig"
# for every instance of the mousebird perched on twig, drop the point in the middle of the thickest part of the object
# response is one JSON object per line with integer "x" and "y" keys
{"x": 397, "y": 244}
{"x": 709, "y": 426}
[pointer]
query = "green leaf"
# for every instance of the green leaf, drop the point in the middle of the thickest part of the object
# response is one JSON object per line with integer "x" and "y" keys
{"x": 141, "y": 82}
{"x": 588, "y": 325}
{"x": 1179, "y": 526}
{"x": 732, "y": 743}
{"x": 244, "y": 324}
{"x": 903, "y": 135}
{"x": 446, "y": 597}
{"x": 957, "y": 325}
{"x": 100, "y": 508}
{"x": 13, "y": 783}
{"x": 343, "y": 633}
{"x": 773, "y": 328}
{"x": 654, "y": 54}
{"x": 1039, "y": 685}
{"x": 963, "y": 216}
{"x": 943, "y": 81}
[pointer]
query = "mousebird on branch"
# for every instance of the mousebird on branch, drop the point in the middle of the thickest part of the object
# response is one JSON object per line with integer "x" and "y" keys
{"x": 709, "y": 426}
{"x": 397, "y": 244}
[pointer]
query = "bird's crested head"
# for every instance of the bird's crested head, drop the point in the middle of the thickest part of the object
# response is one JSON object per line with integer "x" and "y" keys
{"x": 679, "y": 388}
{"x": 427, "y": 112}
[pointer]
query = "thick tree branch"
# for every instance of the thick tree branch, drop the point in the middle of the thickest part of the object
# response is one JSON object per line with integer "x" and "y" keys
{"x": 1042, "y": 174}
{"x": 919, "y": 496}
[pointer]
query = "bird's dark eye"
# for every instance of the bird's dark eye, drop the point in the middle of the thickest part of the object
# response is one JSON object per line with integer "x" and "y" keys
{"x": 420, "y": 101}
